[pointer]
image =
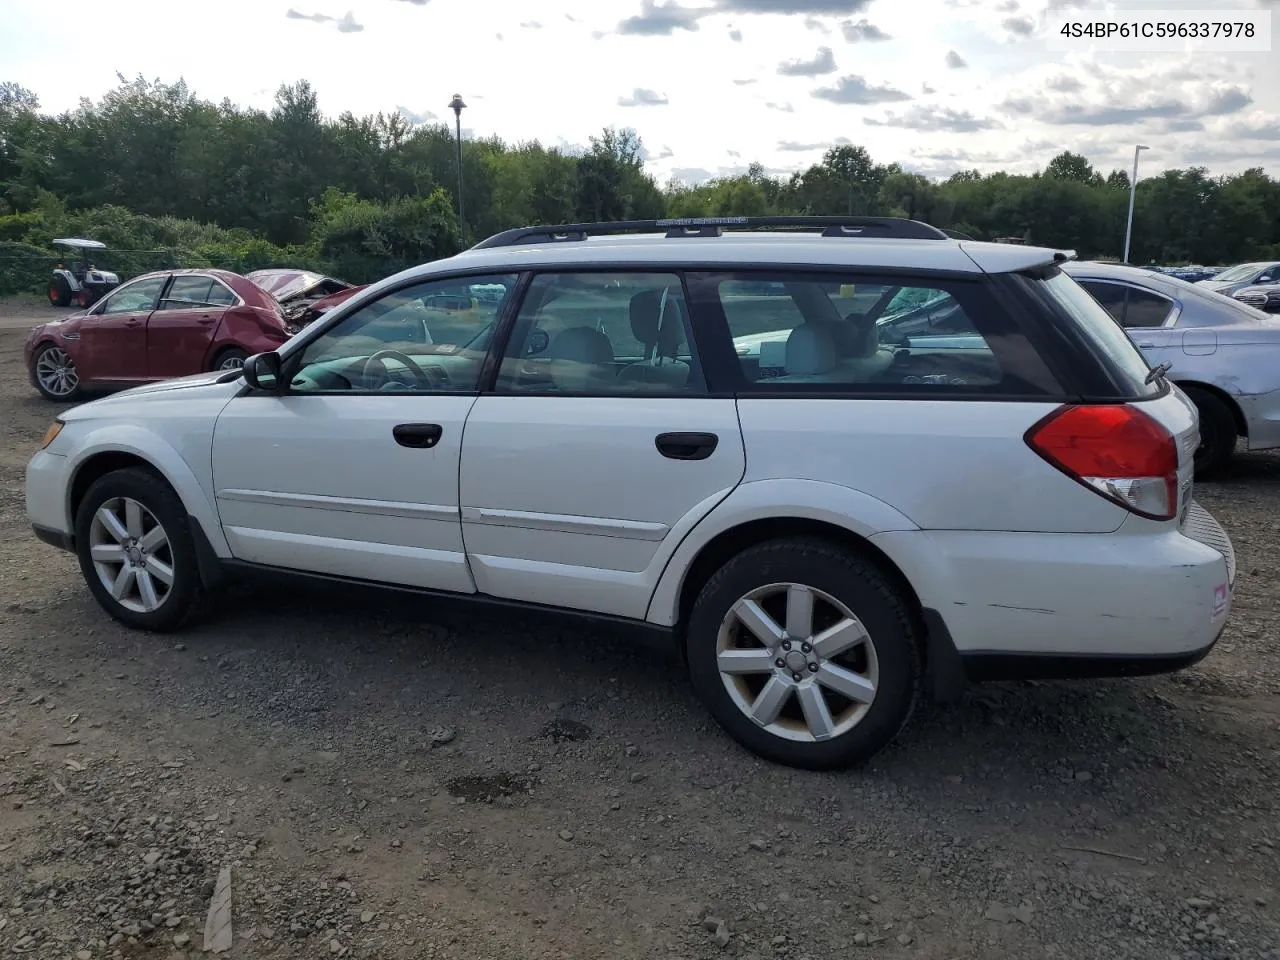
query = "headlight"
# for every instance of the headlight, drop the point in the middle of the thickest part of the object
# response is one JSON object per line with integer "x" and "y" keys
{"x": 55, "y": 428}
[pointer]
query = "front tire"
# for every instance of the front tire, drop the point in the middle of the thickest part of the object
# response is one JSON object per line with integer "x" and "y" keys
{"x": 1218, "y": 432}
{"x": 54, "y": 374}
{"x": 805, "y": 653}
{"x": 136, "y": 552}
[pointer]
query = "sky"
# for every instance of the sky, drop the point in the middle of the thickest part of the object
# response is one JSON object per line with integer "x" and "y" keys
{"x": 710, "y": 85}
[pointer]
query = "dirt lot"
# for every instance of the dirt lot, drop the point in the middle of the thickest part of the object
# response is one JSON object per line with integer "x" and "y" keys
{"x": 388, "y": 782}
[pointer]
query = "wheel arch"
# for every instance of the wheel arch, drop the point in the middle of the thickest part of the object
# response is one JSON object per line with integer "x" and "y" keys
{"x": 121, "y": 452}
{"x": 1237, "y": 415}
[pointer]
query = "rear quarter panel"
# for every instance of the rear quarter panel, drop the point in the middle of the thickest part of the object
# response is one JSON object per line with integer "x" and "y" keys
{"x": 253, "y": 329}
{"x": 943, "y": 464}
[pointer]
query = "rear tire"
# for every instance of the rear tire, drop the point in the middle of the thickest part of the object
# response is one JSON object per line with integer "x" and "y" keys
{"x": 845, "y": 639}
{"x": 136, "y": 552}
{"x": 1218, "y": 432}
{"x": 231, "y": 358}
{"x": 59, "y": 291}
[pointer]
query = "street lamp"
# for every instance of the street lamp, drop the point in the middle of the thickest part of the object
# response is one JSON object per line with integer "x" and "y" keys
{"x": 456, "y": 105}
{"x": 1133, "y": 189}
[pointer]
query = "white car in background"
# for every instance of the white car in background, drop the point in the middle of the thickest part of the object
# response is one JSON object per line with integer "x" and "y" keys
{"x": 1224, "y": 354}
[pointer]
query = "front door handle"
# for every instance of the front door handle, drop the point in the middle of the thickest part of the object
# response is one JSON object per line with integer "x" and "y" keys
{"x": 686, "y": 446}
{"x": 420, "y": 435}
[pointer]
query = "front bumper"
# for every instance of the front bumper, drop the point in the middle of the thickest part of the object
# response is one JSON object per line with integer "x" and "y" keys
{"x": 47, "y": 486}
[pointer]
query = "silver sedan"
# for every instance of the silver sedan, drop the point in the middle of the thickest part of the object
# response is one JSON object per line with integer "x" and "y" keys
{"x": 1223, "y": 353}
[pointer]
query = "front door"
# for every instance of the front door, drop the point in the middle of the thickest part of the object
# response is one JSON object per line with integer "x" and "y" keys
{"x": 354, "y": 470}
{"x": 114, "y": 335}
{"x": 182, "y": 327}
{"x": 598, "y": 449}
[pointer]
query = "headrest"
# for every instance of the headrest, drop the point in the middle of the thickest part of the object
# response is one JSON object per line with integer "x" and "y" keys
{"x": 583, "y": 344}
{"x": 647, "y": 309}
{"x": 581, "y": 360}
{"x": 811, "y": 349}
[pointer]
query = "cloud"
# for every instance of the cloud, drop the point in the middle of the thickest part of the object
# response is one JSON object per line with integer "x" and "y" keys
{"x": 1263, "y": 129}
{"x": 813, "y": 23}
{"x": 821, "y": 8}
{"x": 824, "y": 61}
{"x": 415, "y": 117}
{"x": 1190, "y": 125}
{"x": 531, "y": 25}
{"x": 1019, "y": 26}
{"x": 927, "y": 88}
{"x": 855, "y": 89}
{"x": 692, "y": 175}
{"x": 746, "y": 81}
{"x": 1231, "y": 100}
{"x": 345, "y": 24}
{"x": 795, "y": 146}
{"x": 781, "y": 107}
{"x": 735, "y": 35}
{"x": 955, "y": 61}
{"x": 863, "y": 31}
{"x": 1065, "y": 84}
{"x": 417, "y": 3}
{"x": 935, "y": 120}
{"x": 660, "y": 21}
{"x": 642, "y": 97}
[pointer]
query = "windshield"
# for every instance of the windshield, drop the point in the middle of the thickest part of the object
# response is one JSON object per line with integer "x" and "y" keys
{"x": 1102, "y": 329}
{"x": 1241, "y": 272}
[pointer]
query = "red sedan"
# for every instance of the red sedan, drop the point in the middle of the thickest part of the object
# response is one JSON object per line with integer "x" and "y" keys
{"x": 160, "y": 325}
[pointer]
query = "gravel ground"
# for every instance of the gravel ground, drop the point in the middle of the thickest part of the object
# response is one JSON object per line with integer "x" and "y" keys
{"x": 385, "y": 781}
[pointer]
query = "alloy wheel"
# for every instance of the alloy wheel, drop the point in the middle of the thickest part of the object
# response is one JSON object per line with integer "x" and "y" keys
{"x": 56, "y": 372}
{"x": 232, "y": 363}
{"x": 797, "y": 662}
{"x": 131, "y": 554}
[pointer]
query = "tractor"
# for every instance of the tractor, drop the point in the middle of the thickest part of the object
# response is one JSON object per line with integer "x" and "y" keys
{"x": 78, "y": 281}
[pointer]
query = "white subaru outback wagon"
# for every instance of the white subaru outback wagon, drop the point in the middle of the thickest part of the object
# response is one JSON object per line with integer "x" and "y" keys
{"x": 840, "y": 462}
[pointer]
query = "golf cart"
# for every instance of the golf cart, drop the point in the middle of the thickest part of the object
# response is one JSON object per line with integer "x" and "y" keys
{"x": 79, "y": 281}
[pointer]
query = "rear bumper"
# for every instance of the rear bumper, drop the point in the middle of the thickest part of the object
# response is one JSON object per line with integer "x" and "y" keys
{"x": 1026, "y": 604}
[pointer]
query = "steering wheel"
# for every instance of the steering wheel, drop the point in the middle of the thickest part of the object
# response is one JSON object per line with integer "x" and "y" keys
{"x": 424, "y": 379}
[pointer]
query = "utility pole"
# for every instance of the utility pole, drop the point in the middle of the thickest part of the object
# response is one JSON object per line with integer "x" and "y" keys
{"x": 1133, "y": 190}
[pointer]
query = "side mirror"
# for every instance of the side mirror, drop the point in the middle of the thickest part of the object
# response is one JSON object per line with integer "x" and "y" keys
{"x": 262, "y": 372}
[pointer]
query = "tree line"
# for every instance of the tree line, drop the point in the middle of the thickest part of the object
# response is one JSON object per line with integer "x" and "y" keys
{"x": 166, "y": 178}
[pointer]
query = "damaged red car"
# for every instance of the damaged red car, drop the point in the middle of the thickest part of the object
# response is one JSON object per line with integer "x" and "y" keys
{"x": 161, "y": 325}
{"x": 303, "y": 296}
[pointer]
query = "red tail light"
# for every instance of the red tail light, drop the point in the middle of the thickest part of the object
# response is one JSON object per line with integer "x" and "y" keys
{"x": 1117, "y": 451}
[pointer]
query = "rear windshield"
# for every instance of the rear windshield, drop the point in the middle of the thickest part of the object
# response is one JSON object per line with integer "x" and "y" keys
{"x": 1106, "y": 335}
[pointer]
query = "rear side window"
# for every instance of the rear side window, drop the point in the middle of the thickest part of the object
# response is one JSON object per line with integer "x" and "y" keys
{"x": 1130, "y": 306}
{"x": 846, "y": 333}
{"x": 1107, "y": 338}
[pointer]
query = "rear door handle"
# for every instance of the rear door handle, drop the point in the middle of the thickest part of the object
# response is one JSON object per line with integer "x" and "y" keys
{"x": 686, "y": 446}
{"x": 420, "y": 435}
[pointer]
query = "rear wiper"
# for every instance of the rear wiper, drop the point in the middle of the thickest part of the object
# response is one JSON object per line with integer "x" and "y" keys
{"x": 1158, "y": 371}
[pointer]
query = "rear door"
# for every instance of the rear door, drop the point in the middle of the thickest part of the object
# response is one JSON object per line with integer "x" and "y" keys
{"x": 598, "y": 448}
{"x": 181, "y": 328}
{"x": 114, "y": 335}
{"x": 1147, "y": 316}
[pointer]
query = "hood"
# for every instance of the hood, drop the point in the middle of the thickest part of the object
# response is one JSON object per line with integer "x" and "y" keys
{"x": 179, "y": 383}
{"x": 288, "y": 285}
{"x": 1214, "y": 284}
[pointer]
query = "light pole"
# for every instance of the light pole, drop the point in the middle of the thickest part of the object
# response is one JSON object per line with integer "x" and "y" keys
{"x": 456, "y": 105}
{"x": 1133, "y": 189}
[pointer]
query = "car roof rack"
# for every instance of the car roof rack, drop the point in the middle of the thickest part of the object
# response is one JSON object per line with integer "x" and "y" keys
{"x": 896, "y": 228}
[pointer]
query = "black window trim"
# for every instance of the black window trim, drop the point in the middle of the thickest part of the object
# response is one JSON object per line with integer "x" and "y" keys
{"x": 1175, "y": 305}
{"x": 498, "y": 350}
{"x": 729, "y": 378}
{"x": 236, "y": 299}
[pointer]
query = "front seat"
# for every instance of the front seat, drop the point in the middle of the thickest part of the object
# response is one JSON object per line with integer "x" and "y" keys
{"x": 581, "y": 361}
{"x": 810, "y": 354}
{"x": 657, "y": 321}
